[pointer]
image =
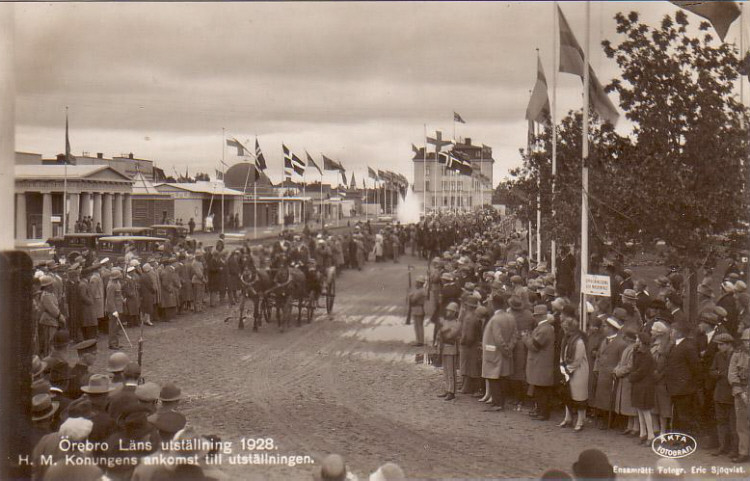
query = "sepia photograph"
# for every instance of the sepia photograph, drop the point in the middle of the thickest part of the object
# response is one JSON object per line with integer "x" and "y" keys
{"x": 374, "y": 240}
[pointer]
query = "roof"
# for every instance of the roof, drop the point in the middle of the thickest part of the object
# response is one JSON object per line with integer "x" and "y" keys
{"x": 143, "y": 186}
{"x": 58, "y": 172}
{"x": 200, "y": 187}
{"x": 130, "y": 238}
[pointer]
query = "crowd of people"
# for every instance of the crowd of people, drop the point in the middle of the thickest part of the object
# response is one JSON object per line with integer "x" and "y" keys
{"x": 637, "y": 364}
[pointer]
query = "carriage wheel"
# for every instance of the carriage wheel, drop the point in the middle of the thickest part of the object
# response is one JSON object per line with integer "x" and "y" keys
{"x": 330, "y": 295}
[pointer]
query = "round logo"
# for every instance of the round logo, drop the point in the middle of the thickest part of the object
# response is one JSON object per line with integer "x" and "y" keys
{"x": 674, "y": 445}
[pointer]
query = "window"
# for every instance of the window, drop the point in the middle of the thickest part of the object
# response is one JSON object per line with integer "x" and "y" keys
{"x": 427, "y": 185}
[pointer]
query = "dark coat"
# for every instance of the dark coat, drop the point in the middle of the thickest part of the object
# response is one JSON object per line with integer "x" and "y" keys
{"x": 89, "y": 307}
{"x": 524, "y": 323}
{"x": 719, "y": 371}
{"x": 608, "y": 358}
{"x": 234, "y": 270}
{"x": 469, "y": 345}
{"x": 683, "y": 369}
{"x": 540, "y": 360}
{"x": 75, "y": 307}
{"x": 147, "y": 289}
{"x": 642, "y": 379}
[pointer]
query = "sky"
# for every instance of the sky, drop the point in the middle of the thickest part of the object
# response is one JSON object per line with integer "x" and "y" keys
{"x": 357, "y": 81}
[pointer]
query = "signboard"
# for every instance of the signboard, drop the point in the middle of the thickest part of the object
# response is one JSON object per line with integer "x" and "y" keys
{"x": 596, "y": 285}
{"x": 56, "y": 218}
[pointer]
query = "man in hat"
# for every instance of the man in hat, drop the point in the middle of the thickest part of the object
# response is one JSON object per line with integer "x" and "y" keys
{"x": 643, "y": 298}
{"x": 97, "y": 391}
{"x": 525, "y": 323}
{"x": 609, "y": 354}
{"x": 80, "y": 373}
{"x": 168, "y": 423}
{"x": 729, "y": 303}
{"x": 169, "y": 397}
{"x": 738, "y": 375}
{"x": 170, "y": 289}
{"x": 593, "y": 464}
{"x": 448, "y": 335}
{"x": 75, "y": 304}
{"x": 673, "y": 302}
{"x": 131, "y": 374}
{"x": 114, "y": 304}
{"x": 97, "y": 292}
{"x": 148, "y": 293}
{"x": 540, "y": 361}
{"x": 148, "y": 395}
{"x": 51, "y": 318}
{"x": 683, "y": 378}
{"x": 470, "y": 346}
{"x": 417, "y": 298}
{"x": 43, "y": 409}
{"x": 133, "y": 429}
{"x": 723, "y": 401}
{"x": 60, "y": 342}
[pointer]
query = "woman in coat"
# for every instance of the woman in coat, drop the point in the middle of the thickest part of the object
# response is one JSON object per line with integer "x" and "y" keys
{"x": 643, "y": 384}
{"x": 623, "y": 399}
{"x": 186, "y": 284}
{"x": 147, "y": 289}
{"x": 609, "y": 354}
{"x": 468, "y": 349}
{"x": 661, "y": 344}
{"x": 498, "y": 342}
{"x": 378, "y": 249}
{"x": 89, "y": 320}
{"x": 575, "y": 364}
{"x": 170, "y": 288}
{"x": 131, "y": 300}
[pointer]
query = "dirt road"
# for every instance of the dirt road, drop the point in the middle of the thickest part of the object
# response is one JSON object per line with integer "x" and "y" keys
{"x": 350, "y": 384}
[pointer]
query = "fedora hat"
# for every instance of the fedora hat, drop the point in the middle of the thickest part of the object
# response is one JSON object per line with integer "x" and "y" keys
{"x": 724, "y": 338}
{"x": 540, "y": 310}
{"x": 45, "y": 281}
{"x": 37, "y": 366}
{"x": 98, "y": 384}
{"x": 42, "y": 407}
{"x": 515, "y": 303}
{"x": 629, "y": 294}
{"x": 148, "y": 392}
{"x": 170, "y": 392}
{"x": 614, "y": 323}
{"x": 61, "y": 338}
{"x": 740, "y": 286}
{"x": 40, "y": 386}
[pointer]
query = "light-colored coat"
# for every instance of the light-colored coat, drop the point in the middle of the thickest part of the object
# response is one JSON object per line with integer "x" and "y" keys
{"x": 170, "y": 287}
{"x": 623, "y": 402}
{"x": 579, "y": 371}
{"x": 540, "y": 360}
{"x": 96, "y": 289}
{"x": 498, "y": 342}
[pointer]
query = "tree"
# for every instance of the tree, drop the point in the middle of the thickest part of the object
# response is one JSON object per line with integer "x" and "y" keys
{"x": 200, "y": 176}
{"x": 688, "y": 170}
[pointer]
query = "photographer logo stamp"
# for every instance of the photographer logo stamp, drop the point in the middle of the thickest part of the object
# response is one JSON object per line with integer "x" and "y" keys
{"x": 674, "y": 445}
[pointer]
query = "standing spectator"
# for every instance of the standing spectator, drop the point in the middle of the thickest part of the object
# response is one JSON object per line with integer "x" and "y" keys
{"x": 642, "y": 380}
{"x": 726, "y": 424}
{"x": 574, "y": 361}
{"x": 114, "y": 307}
{"x": 540, "y": 363}
{"x": 75, "y": 304}
{"x": 610, "y": 352}
{"x": 661, "y": 344}
{"x": 147, "y": 290}
{"x": 51, "y": 318}
{"x": 623, "y": 400}
{"x": 191, "y": 226}
{"x": 199, "y": 282}
{"x": 416, "y": 304}
{"x": 450, "y": 330}
{"x": 498, "y": 344}
{"x": 739, "y": 370}
{"x": 524, "y": 324}
{"x": 683, "y": 378}
{"x": 469, "y": 345}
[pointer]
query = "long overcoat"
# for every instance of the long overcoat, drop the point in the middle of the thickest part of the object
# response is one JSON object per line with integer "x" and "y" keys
{"x": 610, "y": 352}
{"x": 540, "y": 360}
{"x": 498, "y": 343}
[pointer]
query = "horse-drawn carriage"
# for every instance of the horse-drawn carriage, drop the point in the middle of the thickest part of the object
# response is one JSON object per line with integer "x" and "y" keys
{"x": 281, "y": 290}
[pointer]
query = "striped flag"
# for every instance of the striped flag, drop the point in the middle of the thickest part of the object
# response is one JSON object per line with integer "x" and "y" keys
{"x": 458, "y": 118}
{"x": 571, "y": 61}
{"x": 236, "y": 144}
{"x": 539, "y": 109}
{"x": 310, "y": 161}
{"x": 260, "y": 161}
{"x": 288, "y": 167}
{"x": 372, "y": 174}
{"x": 721, "y": 15}
{"x": 343, "y": 176}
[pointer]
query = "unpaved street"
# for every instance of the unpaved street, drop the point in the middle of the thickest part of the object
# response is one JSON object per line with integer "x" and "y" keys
{"x": 350, "y": 384}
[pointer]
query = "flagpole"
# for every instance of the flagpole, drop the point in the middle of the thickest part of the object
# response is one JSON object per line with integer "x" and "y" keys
{"x": 65, "y": 176}
{"x": 255, "y": 208}
{"x": 424, "y": 175}
{"x": 539, "y": 217}
{"x": 321, "y": 200}
{"x": 553, "y": 114}
{"x": 223, "y": 166}
{"x": 585, "y": 171}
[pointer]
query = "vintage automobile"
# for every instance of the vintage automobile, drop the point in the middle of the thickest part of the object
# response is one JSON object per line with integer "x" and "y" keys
{"x": 74, "y": 242}
{"x": 39, "y": 251}
{"x": 143, "y": 231}
{"x": 115, "y": 246}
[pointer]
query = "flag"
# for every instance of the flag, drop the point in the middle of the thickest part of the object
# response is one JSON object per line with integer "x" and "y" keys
{"x": 571, "y": 61}
{"x": 236, "y": 144}
{"x": 219, "y": 174}
{"x": 457, "y": 118}
{"x": 329, "y": 164}
{"x": 372, "y": 174}
{"x": 352, "y": 183}
{"x": 288, "y": 168}
{"x": 68, "y": 158}
{"x": 416, "y": 149}
{"x": 260, "y": 161}
{"x": 539, "y": 109}
{"x": 343, "y": 176}
{"x": 310, "y": 161}
{"x": 720, "y": 14}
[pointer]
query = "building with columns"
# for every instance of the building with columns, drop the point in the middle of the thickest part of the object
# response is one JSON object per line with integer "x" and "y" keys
{"x": 447, "y": 190}
{"x": 99, "y": 191}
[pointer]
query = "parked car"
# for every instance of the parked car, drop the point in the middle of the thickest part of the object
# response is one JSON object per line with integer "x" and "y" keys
{"x": 74, "y": 242}
{"x": 115, "y": 246}
{"x": 39, "y": 251}
{"x": 142, "y": 231}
